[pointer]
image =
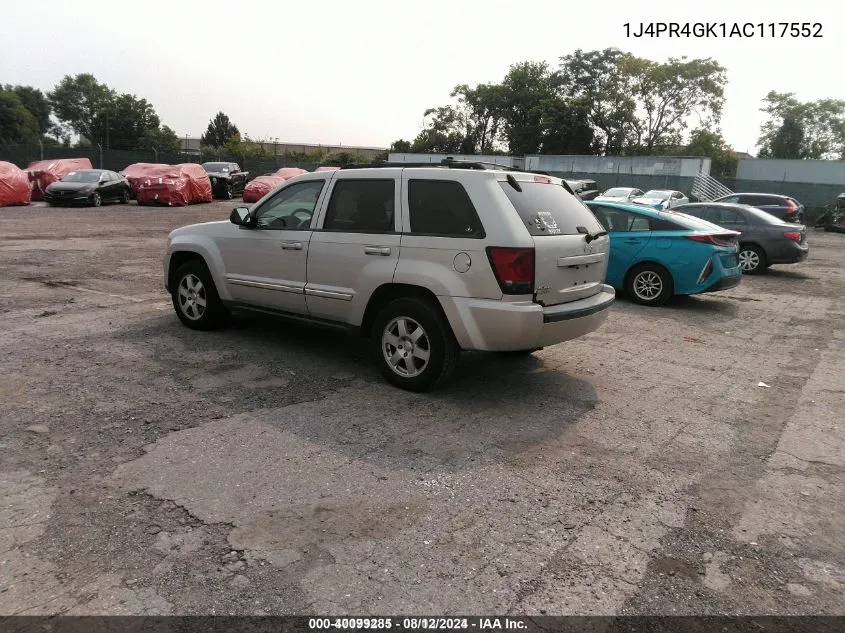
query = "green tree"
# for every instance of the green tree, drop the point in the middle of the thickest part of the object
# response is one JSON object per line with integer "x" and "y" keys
{"x": 566, "y": 129}
{"x": 795, "y": 129}
{"x": 83, "y": 104}
{"x": 162, "y": 139}
{"x": 220, "y": 130}
{"x": 529, "y": 92}
{"x": 595, "y": 78}
{"x": 711, "y": 144}
{"x": 130, "y": 121}
{"x": 37, "y": 104}
{"x": 401, "y": 146}
{"x": 670, "y": 93}
{"x": 17, "y": 124}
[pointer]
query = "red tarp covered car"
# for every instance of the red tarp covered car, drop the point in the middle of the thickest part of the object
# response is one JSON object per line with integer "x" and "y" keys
{"x": 259, "y": 187}
{"x": 135, "y": 173}
{"x": 175, "y": 185}
{"x": 14, "y": 185}
{"x": 44, "y": 172}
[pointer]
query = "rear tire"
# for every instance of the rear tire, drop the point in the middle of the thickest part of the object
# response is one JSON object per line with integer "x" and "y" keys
{"x": 413, "y": 345}
{"x": 649, "y": 285}
{"x": 125, "y": 197}
{"x": 752, "y": 259}
{"x": 195, "y": 297}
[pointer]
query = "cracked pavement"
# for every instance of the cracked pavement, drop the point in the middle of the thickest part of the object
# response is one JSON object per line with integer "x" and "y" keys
{"x": 267, "y": 468}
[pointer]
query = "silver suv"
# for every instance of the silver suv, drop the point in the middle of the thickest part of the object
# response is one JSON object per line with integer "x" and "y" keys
{"x": 424, "y": 261}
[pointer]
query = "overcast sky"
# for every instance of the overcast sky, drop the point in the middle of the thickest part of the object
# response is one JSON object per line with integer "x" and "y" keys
{"x": 362, "y": 72}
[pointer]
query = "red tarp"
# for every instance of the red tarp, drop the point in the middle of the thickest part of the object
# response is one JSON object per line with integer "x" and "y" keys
{"x": 135, "y": 173}
{"x": 44, "y": 172}
{"x": 14, "y": 186}
{"x": 326, "y": 168}
{"x": 259, "y": 187}
{"x": 175, "y": 185}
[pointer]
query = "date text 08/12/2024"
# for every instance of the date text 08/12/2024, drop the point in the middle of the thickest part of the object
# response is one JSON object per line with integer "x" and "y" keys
{"x": 723, "y": 29}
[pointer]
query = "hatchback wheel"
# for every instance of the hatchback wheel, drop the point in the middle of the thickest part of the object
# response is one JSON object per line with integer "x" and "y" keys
{"x": 195, "y": 297}
{"x": 96, "y": 200}
{"x": 649, "y": 285}
{"x": 752, "y": 259}
{"x": 413, "y": 345}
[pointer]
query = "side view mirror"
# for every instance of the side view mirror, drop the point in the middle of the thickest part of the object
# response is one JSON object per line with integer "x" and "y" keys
{"x": 240, "y": 216}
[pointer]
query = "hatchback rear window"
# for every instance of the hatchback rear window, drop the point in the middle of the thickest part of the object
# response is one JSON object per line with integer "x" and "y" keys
{"x": 548, "y": 209}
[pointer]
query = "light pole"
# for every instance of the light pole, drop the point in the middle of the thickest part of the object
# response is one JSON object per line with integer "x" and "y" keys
{"x": 101, "y": 155}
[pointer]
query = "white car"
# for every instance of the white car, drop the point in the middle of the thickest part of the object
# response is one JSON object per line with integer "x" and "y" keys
{"x": 620, "y": 194}
{"x": 423, "y": 261}
{"x": 661, "y": 199}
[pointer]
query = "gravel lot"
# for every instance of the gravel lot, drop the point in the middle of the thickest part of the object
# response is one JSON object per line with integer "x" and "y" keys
{"x": 267, "y": 468}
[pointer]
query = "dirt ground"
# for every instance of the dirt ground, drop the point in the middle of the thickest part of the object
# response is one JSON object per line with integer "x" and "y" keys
{"x": 267, "y": 469}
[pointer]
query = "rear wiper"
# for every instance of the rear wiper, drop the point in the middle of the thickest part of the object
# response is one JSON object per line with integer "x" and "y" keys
{"x": 589, "y": 237}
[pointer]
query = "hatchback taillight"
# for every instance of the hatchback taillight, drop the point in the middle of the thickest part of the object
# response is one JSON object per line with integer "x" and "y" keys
{"x": 514, "y": 269}
{"x": 716, "y": 239}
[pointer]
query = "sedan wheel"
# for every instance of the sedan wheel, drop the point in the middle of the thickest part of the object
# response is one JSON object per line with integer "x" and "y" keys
{"x": 649, "y": 284}
{"x": 125, "y": 197}
{"x": 751, "y": 259}
{"x": 96, "y": 200}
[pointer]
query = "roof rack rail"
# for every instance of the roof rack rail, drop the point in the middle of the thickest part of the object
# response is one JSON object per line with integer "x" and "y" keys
{"x": 446, "y": 162}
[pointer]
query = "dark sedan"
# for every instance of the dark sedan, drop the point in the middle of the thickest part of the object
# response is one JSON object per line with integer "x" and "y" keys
{"x": 782, "y": 207}
{"x": 89, "y": 186}
{"x": 764, "y": 239}
{"x": 227, "y": 179}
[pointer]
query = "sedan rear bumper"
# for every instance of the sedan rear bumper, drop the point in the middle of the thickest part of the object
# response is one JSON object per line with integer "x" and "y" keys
{"x": 792, "y": 254}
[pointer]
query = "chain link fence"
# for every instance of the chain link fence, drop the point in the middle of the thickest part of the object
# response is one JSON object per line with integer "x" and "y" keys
{"x": 116, "y": 159}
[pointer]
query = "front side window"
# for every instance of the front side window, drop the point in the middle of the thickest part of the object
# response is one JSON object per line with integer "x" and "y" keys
{"x": 441, "y": 207}
{"x": 361, "y": 206}
{"x": 291, "y": 208}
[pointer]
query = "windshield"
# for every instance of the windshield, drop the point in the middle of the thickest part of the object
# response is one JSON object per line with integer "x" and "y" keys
{"x": 82, "y": 176}
{"x": 657, "y": 193}
{"x": 220, "y": 168}
{"x": 618, "y": 192}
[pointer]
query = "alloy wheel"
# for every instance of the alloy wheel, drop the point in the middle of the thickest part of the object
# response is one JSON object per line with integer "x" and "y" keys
{"x": 648, "y": 285}
{"x": 406, "y": 347}
{"x": 192, "y": 297}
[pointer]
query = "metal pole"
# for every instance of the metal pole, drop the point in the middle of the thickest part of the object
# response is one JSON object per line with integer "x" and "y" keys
{"x": 155, "y": 153}
{"x": 41, "y": 145}
{"x": 101, "y": 155}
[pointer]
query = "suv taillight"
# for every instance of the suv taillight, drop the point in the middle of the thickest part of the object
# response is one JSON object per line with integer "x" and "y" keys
{"x": 514, "y": 269}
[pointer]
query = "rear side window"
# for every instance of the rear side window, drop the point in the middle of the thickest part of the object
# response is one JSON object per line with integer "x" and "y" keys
{"x": 696, "y": 212}
{"x": 548, "y": 209}
{"x": 725, "y": 216}
{"x": 361, "y": 206}
{"x": 443, "y": 208}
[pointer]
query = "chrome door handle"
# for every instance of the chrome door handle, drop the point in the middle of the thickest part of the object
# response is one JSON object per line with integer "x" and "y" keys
{"x": 292, "y": 246}
{"x": 377, "y": 250}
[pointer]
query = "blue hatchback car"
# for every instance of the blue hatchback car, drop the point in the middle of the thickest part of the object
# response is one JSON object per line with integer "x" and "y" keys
{"x": 657, "y": 254}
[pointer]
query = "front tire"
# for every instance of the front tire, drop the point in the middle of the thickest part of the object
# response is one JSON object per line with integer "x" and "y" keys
{"x": 125, "y": 197}
{"x": 96, "y": 200}
{"x": 413, "y": 345}
{"x": 195, "y": 297}
{"x": 228, "y": 193}
{"x": 752, "y": 259}
{"x": 649, "y": 285}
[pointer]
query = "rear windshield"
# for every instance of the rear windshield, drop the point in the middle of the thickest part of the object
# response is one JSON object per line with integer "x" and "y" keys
{"x": 689, "y": 222}
{"x": 218, "y": 167}
{"x": 761, "y": 215}
{"x": 548, "y": 209}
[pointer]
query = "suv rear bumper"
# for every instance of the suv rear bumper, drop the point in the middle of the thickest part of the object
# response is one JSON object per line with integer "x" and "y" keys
{"x": 500, "y": 326}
